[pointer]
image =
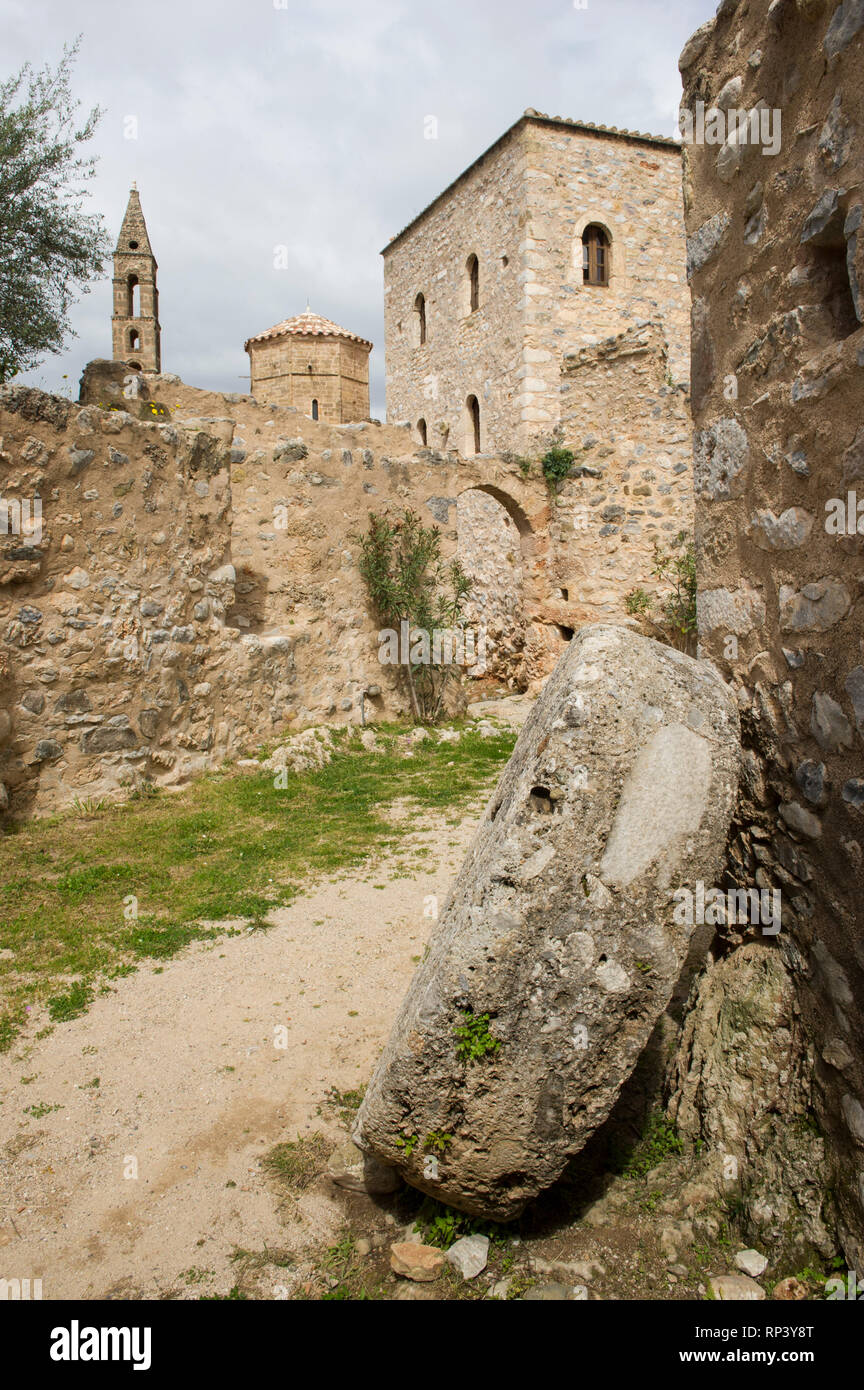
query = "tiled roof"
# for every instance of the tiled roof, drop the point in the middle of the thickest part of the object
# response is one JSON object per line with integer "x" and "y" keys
{"x": 530, "y": 114}
{"x": 305, "y": 324}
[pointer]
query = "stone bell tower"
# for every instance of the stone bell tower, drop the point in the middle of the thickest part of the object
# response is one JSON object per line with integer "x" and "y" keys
{"x": 135, "y": 331}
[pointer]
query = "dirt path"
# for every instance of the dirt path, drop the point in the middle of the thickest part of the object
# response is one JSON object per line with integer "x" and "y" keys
{"x": 193, "y": 1088}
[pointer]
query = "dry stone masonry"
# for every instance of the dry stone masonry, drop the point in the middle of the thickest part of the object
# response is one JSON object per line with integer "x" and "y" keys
{"x": 193, "y": 593}
{"x": 776, "y": 264}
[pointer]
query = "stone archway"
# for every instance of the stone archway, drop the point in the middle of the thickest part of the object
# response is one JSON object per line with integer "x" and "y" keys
{"x": 494, "y": 546}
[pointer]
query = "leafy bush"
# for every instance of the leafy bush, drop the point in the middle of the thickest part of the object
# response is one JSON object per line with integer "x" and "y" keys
{"x": 673, "y": 614}
{"x": 408, "y": 581}
{"x": 556, "y": 465}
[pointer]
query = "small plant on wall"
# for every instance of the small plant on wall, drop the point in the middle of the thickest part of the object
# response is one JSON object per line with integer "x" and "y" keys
{"x": 421, "y": 598}
{"x": 556, "y": 465}
{"x": 670, "y": 616}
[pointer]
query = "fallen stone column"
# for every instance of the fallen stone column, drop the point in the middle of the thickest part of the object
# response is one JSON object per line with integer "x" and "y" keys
{"x": 557, "y": 950}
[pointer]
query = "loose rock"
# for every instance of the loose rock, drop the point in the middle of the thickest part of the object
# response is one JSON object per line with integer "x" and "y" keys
{"x": 558, "y": 948}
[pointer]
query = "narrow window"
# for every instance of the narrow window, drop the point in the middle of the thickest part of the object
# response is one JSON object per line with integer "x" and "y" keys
{"x": 314, "y": 410}
{"x": 132, "y": 307}
{"x": 472, "y": 266}
{"x": 421, "y": 430}
{"x": 134, "y": 340}
{"x": 420, "y": 311}
{"x": 473, "y": 424}
{"x": 595, "y": 256}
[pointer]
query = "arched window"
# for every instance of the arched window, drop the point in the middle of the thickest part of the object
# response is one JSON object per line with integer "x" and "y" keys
{"x": 421, "y": 430}
{"x": 596, "y": 255}
{"x": 472, "y": 268}
{"x": 132, "y": 306}
{"x": 420, "y": 311}
{"x": 314, "y": 410}
{"x": 473, "y": 431}
{"x": 134, "y": 340}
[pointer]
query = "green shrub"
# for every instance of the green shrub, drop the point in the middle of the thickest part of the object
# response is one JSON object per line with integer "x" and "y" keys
{"x": 556, "y": 465}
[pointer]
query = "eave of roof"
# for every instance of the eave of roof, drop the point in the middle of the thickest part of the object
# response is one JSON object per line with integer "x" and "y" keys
{"x": 307, "y": 325}
{"x": 537, "y": 118}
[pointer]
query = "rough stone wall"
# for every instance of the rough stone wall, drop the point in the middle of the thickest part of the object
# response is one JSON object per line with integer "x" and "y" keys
{"x": 115, "y": 656}
{"x": 522, "y": 209}
{"x": 194, "y": 592}
{"x": 630, "y": 431}
{"x": 776, "y": 260}
{"x": 490, "y": 550}
{"x": 465, "y": 353}
{"x": 338, "y": 381}
{"x": 632, "y": 190}
{"x": 577, "y": 563}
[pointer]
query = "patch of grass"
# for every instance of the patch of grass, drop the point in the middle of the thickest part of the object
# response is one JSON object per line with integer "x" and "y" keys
{"x": 659, "y": 1140}
{"x": 76, "y": 1001}
{"x": 442, "y": 1226}
{"x": 519, "y": 1286}
{"x": 298, "y": 1163}
{"x": 345, "y": 1103}
{"x": 230, "y": 846}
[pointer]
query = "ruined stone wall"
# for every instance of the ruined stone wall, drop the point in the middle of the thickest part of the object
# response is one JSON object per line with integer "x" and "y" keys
{"x": 776, "y": 261}
{"x": 583, "y": 546}
{"x": 194, "y": 592}
{"x": 117, "y": 667}
{"x": 522, "y": 210}
{"x": 630, "y": 431}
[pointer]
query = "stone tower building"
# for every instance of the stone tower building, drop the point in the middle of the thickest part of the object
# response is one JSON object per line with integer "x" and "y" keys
{"x": 313, "y": 364}
{"x": 135, "y": 331}
{"x": 561, "y": 234}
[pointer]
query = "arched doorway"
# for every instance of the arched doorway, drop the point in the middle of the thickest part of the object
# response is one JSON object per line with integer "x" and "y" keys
{"x": 494, "y": 536}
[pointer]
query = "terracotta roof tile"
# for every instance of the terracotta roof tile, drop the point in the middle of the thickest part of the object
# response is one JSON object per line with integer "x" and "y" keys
{"x": 307, "y": 324}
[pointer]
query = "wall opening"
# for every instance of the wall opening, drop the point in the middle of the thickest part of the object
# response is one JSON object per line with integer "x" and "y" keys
{"x": 472, "y": 426}
{"x": 420, "y": 317}
{"x": 133, "y": 305}
{"x": 314, "y": 410}
{"x": 422, "y": 432}
{"x": 134, "y": 340}
{"x": 472, "y": 270}
{"x": 596, "y": 255}
{"x": 835, "y": 292}
{"x": 490, "y": 548}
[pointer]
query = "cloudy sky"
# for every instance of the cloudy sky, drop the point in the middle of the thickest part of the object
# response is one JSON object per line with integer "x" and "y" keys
{"x": 260, "y": 124}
